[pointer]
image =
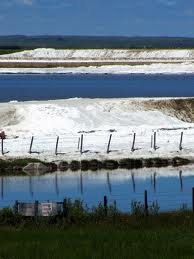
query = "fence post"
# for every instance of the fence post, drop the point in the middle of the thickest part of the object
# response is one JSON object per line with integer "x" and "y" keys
{"x": 108, "y": 147}
{"x": 78, "y": 143}
{"x": 115, "y": 210}
{"x": 65, "y": 208}
{"x": 105, "y": 205}
{"x": 36, "y": 208}
{"x": 56, "y": 148}
{"x": 181, "y": 140}
{"x": 2, "y": 151}
{"x": 31, "y": 143}
{"x": 16, "y": 207}
{"x": 133, "y": 145}
{"x": 146, "y": 202}
{"x": 193, "y": 199}
{"x": 154, "y": 140}
{"x": 81, "y": 144}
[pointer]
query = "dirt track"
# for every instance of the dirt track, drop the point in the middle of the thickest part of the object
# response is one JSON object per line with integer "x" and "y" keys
{"x": 51, "y": 64}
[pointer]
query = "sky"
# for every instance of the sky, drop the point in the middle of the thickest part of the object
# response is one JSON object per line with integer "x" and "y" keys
{"x": 97, "y": 17}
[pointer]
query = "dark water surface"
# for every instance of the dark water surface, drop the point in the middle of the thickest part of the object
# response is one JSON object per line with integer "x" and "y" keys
{"x": 170, "y": 187}
{"x": 44, "y": 87}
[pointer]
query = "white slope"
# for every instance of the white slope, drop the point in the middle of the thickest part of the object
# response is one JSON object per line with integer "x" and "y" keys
{"x": 100, "y": 54}
{"x": 95, "y": 118}
{"x": 74, "y": 115}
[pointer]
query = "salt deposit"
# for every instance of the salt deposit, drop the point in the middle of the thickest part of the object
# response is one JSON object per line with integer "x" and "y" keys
{"x": 100, "y": 54}
{"x": 96, "y": 119}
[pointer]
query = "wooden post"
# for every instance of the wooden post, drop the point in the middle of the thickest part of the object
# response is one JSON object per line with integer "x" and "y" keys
{"x": 31, "y": 143}
{"x": 2, "y": 151}
{"x": 193, "y": 199}
{"x": 36, "y": 208}
{"x": 78, "y": 143}
{"x": 105, "y": 205}
{"x": 16, "y": 207}
{"x": 133, "y": 145}
{"x": 108, "y": 147}
{"x": 115, "y": 210}
{"x": 2, "y": 187}
{"x": 81, "y": 144}
{"x": 65, "y": 208}
{"x": 154, "y": 140}
{"x": 56, "y": 148}
{"x": 146, "y": 202}
{"x": 181, "y": 141}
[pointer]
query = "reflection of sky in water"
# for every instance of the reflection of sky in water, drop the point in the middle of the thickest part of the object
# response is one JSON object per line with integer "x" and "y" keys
{"x": 171, "y": 187}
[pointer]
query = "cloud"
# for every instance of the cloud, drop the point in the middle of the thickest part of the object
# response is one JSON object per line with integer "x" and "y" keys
{"x": 189, "y": 13}
{"x": 167, "y": 2}
{"x": 27, "y": 2}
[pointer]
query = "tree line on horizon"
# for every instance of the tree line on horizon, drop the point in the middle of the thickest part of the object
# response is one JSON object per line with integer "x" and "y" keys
{"x": 18, "y": 42}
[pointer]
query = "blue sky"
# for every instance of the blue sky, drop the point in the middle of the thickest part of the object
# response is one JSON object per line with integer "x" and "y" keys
{"x": 98, "y": 17}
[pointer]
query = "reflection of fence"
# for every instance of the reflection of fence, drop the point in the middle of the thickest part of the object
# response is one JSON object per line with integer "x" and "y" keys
{"x": 46, "y": 209}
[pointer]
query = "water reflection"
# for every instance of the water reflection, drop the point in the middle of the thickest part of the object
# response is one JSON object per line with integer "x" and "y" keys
{"x": 171, "y": 187}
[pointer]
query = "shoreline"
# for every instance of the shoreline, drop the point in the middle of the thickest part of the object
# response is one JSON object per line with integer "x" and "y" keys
{"x": 15, "y": 166}
{"x": 99, "y": 61}
{"x": 152, "y": 69}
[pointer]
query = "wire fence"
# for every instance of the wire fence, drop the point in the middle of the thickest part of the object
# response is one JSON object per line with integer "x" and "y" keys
{"x": 160, "y": 141}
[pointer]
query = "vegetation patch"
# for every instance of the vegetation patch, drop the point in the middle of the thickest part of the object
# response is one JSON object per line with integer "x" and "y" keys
{"x": 98, "y": 233}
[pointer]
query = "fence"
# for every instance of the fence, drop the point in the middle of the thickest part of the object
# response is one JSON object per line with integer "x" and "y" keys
{"x": 46, "y": 209}
{"x": 93, "y": 143}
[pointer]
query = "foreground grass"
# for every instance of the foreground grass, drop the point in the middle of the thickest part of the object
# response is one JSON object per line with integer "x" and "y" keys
{"x": 161, "y": 236}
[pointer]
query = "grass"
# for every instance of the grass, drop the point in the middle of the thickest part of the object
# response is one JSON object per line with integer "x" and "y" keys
{"x": 135, "y": 239}
{"x": 83, "y": 234}
{"x": 14, "y": 166}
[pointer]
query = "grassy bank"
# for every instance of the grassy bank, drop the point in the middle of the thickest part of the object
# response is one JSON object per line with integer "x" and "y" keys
{"x": 159, "y": 236}
{"x": 16, "y": 166}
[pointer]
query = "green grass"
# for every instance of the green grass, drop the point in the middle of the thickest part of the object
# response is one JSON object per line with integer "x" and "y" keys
{"x": 14, "y": 166}
{"x": 80, "y": 235}
{"x": 98, "y": 241}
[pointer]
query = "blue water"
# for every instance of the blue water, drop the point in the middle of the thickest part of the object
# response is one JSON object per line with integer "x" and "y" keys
{"x": 44, "y": 87}
{"x": 171, "y": 191}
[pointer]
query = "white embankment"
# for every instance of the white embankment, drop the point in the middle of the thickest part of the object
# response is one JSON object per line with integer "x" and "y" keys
{"x": 130, "y": 61}
{"x": 96, "y": 119}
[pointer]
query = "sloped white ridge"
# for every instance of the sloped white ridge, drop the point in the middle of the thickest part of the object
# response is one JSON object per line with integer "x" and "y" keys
{"x": 101, "y": 54}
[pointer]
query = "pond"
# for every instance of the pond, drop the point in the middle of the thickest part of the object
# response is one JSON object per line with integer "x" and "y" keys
{"x": 170, "y": 187}
{"x": 46, "y": 87}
